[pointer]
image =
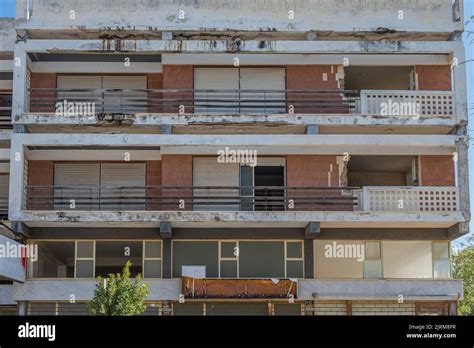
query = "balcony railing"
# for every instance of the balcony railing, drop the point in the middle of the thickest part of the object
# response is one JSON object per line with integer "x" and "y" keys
{"x": 407, "y": 103}
{"x": 390, "y": 103}
{"x": 238, "y": 288}
{"x": 5, "y": 111}
{"x": 130, "y": 101}
{"x": 242, "y": 198}
{"x": 411, "y": 199}
{"x": 199, "y": 198}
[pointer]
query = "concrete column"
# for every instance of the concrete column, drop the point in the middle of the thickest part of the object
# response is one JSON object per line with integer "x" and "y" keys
{"x": 167, "y": 259}
{"x": 20, "y": 70}
{"x": 463, "y": 176}
{"x": 459, "y": 76}
{"x": 308, "y": 258}
{"x": 22, "y": 308}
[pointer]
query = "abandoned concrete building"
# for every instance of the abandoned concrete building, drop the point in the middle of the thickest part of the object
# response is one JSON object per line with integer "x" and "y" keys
{"x": 249, "y": 157}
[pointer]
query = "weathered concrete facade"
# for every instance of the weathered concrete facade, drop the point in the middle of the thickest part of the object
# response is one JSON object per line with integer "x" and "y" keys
{"x": 355, "y": 110}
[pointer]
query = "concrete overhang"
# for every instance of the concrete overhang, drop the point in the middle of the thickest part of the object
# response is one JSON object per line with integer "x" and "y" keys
{"x": 433, "y": 16}
{"x": 277, "y": 144}
{"x": 194, "y": 219}
{"x": 380, "y": 289}
{"x": 143, "y": 121}
{"x": 253, "y": 51}
{"x": 83, "y": 290}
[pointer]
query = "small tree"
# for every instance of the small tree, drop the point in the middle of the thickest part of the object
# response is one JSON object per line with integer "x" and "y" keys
{"x": 119, "y": 295}
{"x": 463, "y": 268}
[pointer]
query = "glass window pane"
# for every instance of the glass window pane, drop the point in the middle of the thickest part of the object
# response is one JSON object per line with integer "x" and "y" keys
{"x": 153, "y": 249}
{"x": 111, "y": 257}
{"x": 294, "y": 250}
{"x": 372, "y": 250}
{"x": 85, "y": 249}
{"x": 373, "y": 269}
{"x": 152, "y": 269}
{"x": 440, "y": 250}
{"x": 186, "y": 253}
{"x": 442, "y": 269}
{"x": 85, "y": 269}
{"x": 261, "y": 259}
{"x": 228, "y": 250}
{"x": 55, "y": 260}
{"x": 228, "y": 269}
{"x": 294, "y": 269}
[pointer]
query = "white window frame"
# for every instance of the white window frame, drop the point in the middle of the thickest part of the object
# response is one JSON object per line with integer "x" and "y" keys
{"x": 84, "y": 258}
{"x": 235, "y": 258}
{"x": 144, "y": 258}
{"x": 380, "y": 259}
{"x": 433, "y": 259}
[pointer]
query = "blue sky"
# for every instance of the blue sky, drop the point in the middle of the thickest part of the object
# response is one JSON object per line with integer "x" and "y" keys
{"x": 7, "y": 9}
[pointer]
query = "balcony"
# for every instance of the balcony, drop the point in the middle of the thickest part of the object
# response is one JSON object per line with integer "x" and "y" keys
{"x": 242, "y": 198}
{"x": 380, "y": 289}
{"x": 83, "y": 289}
{"x": 238, "y": 288}
{"x": 103, "y": 103}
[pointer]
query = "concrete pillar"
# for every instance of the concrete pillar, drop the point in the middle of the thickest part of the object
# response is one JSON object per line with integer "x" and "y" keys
{"x": 20, "y": 70}
{"x": 22, "y": 308}
{"x": 17, "y": 166}
{"x": 463, "y": 176}
{"x": 166, "y": 129}
{"x": 167, "y": 259}
{"x": 20, "y": 128}
{"x": 453, "y": 308}
{"x": 312, "y": 129}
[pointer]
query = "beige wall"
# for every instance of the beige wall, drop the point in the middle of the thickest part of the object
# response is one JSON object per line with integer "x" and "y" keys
{"x": 335, "y": 267}
{"x": 407, "y": 259}
{"x": 400, "y": 259}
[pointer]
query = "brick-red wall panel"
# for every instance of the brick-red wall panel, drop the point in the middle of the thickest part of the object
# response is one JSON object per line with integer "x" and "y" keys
{"x": 40, "y": 173}
{"x": 178, "y": 77}
{"x": 177, "y": 170}
{"x": 154, "y": 81}
{"x": 437, "y": 170}
{"x": 313, "y": 171}
{"x": 434, "y": 77}
{"x": 43, "y": 80}
{"x": 310, "y": 77}
{"x": 153, "y": 181}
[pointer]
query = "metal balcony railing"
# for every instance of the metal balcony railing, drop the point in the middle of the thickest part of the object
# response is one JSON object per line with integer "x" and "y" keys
{"x": 243, "y": 198}
{"x": 389, "y": 103}
{"x": 5, "y": 111}
{"x": 198, "y": 198}
{"x": 130, "y": 101}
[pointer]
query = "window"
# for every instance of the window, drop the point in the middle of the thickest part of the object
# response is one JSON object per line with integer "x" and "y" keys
{"x": 441, "y": 260}
{"x": 111, "y": 257}
{"x": 241, "y": 259}
{"x": 55, "y": 260}
{"x": 85, "y": 259}
{"x": 228, "y": 258}
{"x": 189, "y": 253}
{"x": 294, "y": 260}
{"x": 152, "y": 259}
{"x": 373, "y": 260}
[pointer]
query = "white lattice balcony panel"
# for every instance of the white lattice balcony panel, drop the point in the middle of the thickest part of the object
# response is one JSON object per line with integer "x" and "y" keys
{"x": 407, "y": 103}
{"x": 410, "y": 199}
